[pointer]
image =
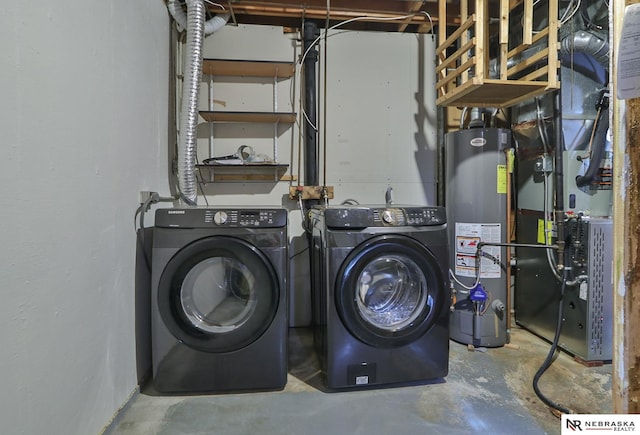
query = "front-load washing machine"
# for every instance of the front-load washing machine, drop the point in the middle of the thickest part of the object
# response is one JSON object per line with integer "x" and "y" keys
{"x": 380, "y": 294}
{"x": 219, "y": 305}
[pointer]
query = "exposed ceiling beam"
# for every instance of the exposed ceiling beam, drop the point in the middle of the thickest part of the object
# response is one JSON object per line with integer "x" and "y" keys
{"x": 380, "y": 15}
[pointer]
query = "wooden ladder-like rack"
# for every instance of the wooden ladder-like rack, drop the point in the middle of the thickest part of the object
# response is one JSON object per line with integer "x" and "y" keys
{"x": 524, "y": 68}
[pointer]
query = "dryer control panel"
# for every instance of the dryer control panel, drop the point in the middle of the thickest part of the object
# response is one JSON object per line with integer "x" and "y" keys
{"x": 197, "y": 217}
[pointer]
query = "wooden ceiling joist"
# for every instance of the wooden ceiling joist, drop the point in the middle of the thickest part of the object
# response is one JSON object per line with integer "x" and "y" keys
{"x": 378, "y": 15}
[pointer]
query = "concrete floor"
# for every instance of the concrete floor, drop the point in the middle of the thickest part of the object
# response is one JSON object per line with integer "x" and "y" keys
{"x": 485, "y": 392}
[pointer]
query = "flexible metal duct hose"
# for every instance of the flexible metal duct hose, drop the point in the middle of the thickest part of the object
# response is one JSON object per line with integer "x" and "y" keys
{"x": 586, "y": 42}
{"x": 578, "y": 42}
{"x": 212, "y": 25}
{"x": 189, "y": 108}
{"x": 216, "y": 23}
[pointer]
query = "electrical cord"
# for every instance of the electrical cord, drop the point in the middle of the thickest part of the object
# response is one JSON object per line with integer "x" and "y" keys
{"x": 215, "y": 4}
{"x": 342, "y": 23}
{"x": 545, "y": 145}
{"x": 477, "y": 278}
{"x": 140, "y": 232}
{"x": 554, "y": 346}
{"x": 326, "y": 35}
{"x": 571, "y": 10}
{"x": 305, "y": 225}
{"x": 153, "y": 198}
{"x": 457, "y": 281}
{"x": 299, "y": 253}
{"x": 350, "y": 201}
{"x": 325, "y": 62}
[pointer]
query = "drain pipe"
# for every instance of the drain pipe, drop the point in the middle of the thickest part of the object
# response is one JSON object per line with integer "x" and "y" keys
{"x": 310, "y": 88}
{"x": 194, "y": 23}
{"x": 559, "y": 178}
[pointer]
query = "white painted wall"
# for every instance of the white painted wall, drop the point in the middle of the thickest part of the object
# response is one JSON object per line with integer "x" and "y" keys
{"x": 380, "y": 130}
{"x": 84, "y": 122}
{"x": 83, "y": 117}
{"x": 381, "y": 117}
{"x": 248, "y": 42}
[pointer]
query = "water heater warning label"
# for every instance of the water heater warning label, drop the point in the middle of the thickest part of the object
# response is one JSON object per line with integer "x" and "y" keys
{"x": 467, "y": 238}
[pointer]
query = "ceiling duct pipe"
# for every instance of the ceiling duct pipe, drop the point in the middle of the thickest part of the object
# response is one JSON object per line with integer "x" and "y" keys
{"x": 588, "y": 43}
{"x": 586, "y": 53}
{"x": 194, "y": 22}
{"x": 310, "y": 90}
{"x": 578, "y": 51}
{"x": 477, "y": 118}
{"x": 210, "y": 26}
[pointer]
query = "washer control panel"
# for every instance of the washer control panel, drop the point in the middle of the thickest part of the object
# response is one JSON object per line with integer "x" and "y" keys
{"x": 425, "y": 215}
{"x": 401, "y": 216}
{"x": 221, "y": 218}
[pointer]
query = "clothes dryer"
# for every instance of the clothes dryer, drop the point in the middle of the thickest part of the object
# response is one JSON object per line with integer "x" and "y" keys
{"x": 219, "y": 306}
{"x": 381, "y": 294}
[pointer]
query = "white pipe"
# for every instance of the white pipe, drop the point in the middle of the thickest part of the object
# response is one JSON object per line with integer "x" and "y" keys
{"x": 211, "y": 26}
{"x": 216, "y": 23}
{"x": 178, "y": 14}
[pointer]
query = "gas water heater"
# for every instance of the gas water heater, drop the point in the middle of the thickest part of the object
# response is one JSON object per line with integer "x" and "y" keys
{"x": 477, "y": 171}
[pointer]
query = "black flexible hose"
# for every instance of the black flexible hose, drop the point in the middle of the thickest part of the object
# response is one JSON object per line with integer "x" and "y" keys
{"x": 598, "y": 149}
{"x": 554, "y": 346}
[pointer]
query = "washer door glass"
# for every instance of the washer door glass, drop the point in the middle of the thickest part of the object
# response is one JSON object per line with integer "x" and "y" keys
{"x": 218, "y": 294}
{"x": 390, "y": 291}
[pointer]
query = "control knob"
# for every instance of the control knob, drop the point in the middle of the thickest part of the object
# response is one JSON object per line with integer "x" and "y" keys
{"x": 389, "y": 217}
{"x": 220, "y": 218}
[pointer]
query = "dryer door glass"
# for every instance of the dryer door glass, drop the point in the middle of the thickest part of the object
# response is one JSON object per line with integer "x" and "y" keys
{"x": 218, "y": 294}
{"x": 392, "y": 292}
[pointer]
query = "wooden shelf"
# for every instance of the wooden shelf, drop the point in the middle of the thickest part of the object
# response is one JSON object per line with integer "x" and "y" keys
{"x": 525, "y": 67}
{"x": 250, "y": 68}
{"x": 248, "y": 172}
{"x": 260, "y": 117}
{"x": 492, "y": 93}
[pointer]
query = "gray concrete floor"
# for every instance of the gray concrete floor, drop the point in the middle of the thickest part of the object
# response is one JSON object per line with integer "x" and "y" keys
{"x": 486, "y": 391}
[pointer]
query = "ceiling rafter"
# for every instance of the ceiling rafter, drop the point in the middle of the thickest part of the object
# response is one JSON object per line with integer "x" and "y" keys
{"x": 375, "y": 15}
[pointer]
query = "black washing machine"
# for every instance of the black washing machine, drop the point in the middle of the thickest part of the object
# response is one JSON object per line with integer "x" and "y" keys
{"x": 380, "y": 294}
{"x": 219, "y": 307}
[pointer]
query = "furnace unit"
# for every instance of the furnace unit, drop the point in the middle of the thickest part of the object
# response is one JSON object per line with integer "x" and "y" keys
{"x": 587, "y": 328}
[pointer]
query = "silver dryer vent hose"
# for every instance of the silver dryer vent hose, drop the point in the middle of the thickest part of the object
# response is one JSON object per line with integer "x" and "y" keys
{"x": 196, "y": 27}
{"x": 189, "y": 108}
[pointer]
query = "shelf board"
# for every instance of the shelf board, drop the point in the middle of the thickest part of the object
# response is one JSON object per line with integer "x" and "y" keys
{"x": 251, "y": 68}
{"x": 248, "y": 172}
{"x": 265, "y": 117}
{"x": 493, "y": 93}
